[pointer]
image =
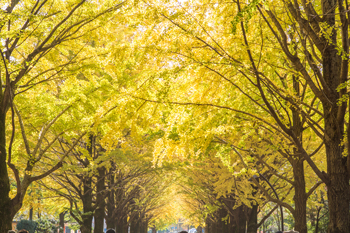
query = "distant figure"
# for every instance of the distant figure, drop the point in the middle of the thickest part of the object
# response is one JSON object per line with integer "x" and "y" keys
{"x": 183, "y": 232}
{"x": 110, "y": 230}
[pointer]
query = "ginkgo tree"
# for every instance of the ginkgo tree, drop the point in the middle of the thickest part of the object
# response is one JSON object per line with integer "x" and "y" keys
{"x": 262, "y": 85}
{"x": 229, "y": 70}
{"x": 43, "y": 42}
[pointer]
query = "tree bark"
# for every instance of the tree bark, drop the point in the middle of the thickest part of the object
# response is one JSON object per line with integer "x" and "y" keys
{"x": 214, "y": 223}
{"x": 240, "y": 220}
{"x": 110, "y": 202}
{"x": 135, "y": 224}
{"x": 122, "y": 224}
{"x": 119, "y": 211}
{"x": 61, "y": 223}
{"x": 86, "y": 226}
{"x": 5, "y": 201}
{"x": 338, "y": 185}
{"x": 299, "y": 197}
{"x": 119, "y": 228}
{"x": 144, "y": 228}
{"x": 31, "y": 214}
{"x": 232, "y": 226}
{"x": 224, "y": 224}
{"x": 125, "y": 224}
{"x": 87, "y": 215}
{"x": 297, "y": 159}
{"x": 5, "y": 217}
{"x": 253, "y": 220}
{"x": 207, "y": 225}
{"x": 100, "y": 201}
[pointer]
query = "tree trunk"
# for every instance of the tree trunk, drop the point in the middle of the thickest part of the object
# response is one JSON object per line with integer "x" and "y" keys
{"x": 61, "y": 223}
{"x": 5, "y": 201}
{"x": 31, "y": 214}
{"x": 240, "y": 220}
{"x": 299, "y": 197}
{"x": 5, "y": 217}
{"x": 86, "y": 226}
{"x": 125, "y": 224}
{"x": 154, "y": 230}
{"x": 135, "y": 224}
{"x": 207, "y": 225}
{"x": 110, "y": 203}
{"x": 214, "y": 223}
{"x": 224, "y": 224}
{"x": 87, "y": 215}
{"x": 119, "y": 228}
{"x": 253, "y": 220}
{"x": 122, "y": 224}
{"x": 338, "y": 185}
{"x": 338, "y": 191}
{"x": 120, "y": 210}
{"x": 100, "y": 202}
{"x": 232, "y": 225}
{"x": 144, "y": 227}
{"x": 298, "y": 169}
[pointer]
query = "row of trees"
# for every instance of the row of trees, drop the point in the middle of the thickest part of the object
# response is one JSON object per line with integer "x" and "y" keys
{"x": 66, "y": 126}
{"x": 264, "y": 83}
{"x": 120, "y": 188}
{"x": 254, "y": 93}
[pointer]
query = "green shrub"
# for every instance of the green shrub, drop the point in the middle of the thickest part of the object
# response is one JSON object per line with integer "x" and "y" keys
{"x": 46, "y": 226}
{"x": 27, "y": 225}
